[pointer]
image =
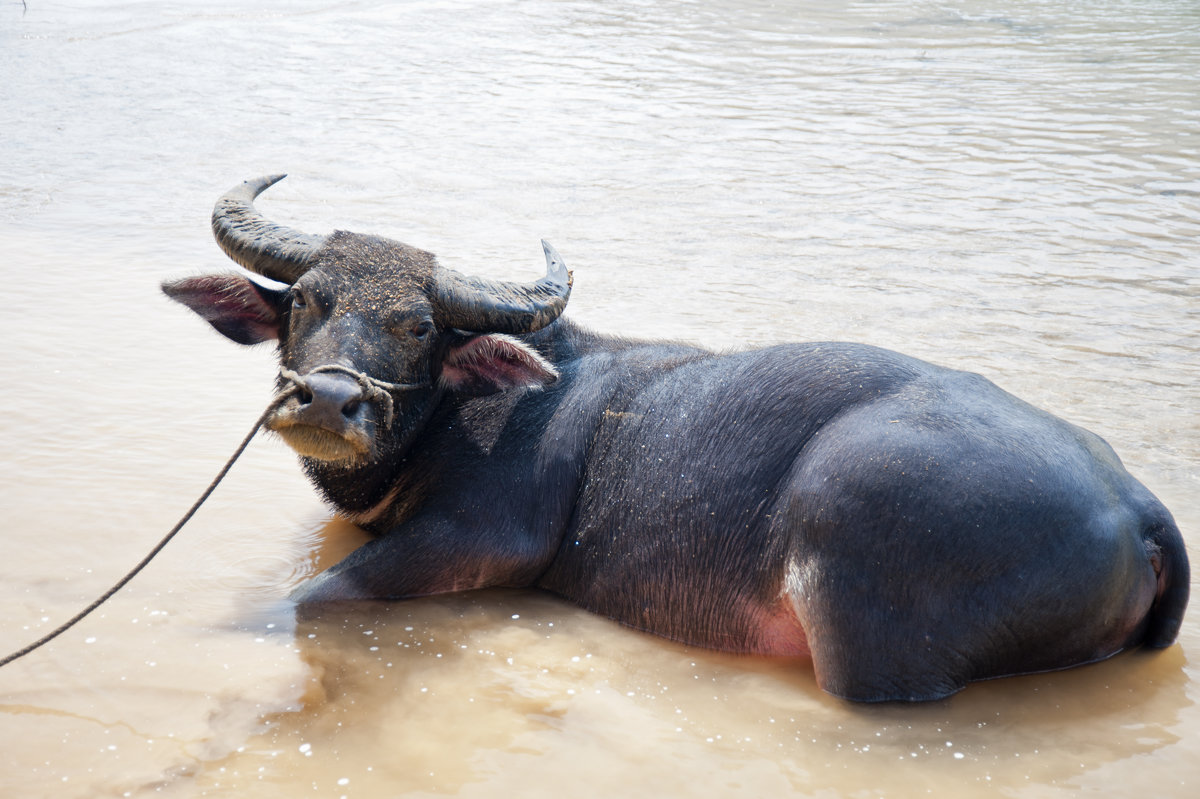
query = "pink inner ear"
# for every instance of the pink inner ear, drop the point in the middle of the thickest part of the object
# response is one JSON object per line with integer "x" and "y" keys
{"x": 486, "y": 364}
{"x": 231, "y": 304}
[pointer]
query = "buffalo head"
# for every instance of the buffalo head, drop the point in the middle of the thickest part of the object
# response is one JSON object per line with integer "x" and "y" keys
{"x": 371, "y": 332}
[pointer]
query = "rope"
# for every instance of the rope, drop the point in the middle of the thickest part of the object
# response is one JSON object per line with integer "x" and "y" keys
{"x": 374, "y": 390}
{"x": 48, "y": 637}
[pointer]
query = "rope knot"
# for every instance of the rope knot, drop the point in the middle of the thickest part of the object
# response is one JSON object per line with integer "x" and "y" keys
{"x": 374, "y": 390}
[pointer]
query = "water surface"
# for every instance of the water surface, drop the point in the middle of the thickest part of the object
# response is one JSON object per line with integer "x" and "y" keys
{"x": 1010, "y": 187}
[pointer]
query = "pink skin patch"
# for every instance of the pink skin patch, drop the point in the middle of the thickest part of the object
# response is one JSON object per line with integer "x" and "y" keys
{"x": 780, "y": 632}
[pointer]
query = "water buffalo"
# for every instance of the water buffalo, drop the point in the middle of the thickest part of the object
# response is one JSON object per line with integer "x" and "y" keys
{"x": 910, "y": 528}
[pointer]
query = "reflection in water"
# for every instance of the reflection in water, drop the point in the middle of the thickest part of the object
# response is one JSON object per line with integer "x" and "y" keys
{"x": 1012, "y": 190}
{"x": 471, "y": 692}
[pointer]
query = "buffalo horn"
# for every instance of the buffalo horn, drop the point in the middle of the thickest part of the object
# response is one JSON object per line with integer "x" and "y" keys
{"x": 275, "y": 251}
{"x": 496, "y": 306}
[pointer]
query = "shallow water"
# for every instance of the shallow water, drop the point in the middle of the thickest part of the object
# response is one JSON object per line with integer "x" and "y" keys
{"x": 1008, "y": 187}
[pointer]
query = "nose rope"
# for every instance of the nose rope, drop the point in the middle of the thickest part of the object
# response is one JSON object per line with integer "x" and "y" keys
{"x": 374, "y": 389}
{"x": 212, "y": 486}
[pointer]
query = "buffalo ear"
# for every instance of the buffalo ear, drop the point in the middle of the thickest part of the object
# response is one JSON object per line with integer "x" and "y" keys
{"x": 238, "y": 308}
{"x": 481, "y": 365}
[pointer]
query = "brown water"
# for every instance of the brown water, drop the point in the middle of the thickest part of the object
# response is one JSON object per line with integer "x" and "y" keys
{"x": 1011, "y": 187}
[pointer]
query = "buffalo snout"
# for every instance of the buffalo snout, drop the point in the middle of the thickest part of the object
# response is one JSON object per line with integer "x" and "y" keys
{"x": 328, "y": 417}
{"x": 331, "y": 401}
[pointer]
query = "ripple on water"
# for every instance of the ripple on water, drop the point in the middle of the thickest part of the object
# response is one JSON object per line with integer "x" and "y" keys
{"x": 1012, "y": 190}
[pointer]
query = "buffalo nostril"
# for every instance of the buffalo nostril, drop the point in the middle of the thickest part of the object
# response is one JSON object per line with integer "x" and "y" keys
{"x": 329, "y": 401}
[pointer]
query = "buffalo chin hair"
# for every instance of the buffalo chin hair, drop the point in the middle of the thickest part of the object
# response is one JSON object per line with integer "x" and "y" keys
{"x": 314, "y": 442}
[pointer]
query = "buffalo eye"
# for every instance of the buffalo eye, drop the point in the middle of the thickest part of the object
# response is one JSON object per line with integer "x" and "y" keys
{"x": 421, "y": 330}
{"x": 298, "y": 299}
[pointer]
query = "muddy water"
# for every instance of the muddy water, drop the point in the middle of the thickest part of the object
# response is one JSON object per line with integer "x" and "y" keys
{"x": 1011, "y": 187}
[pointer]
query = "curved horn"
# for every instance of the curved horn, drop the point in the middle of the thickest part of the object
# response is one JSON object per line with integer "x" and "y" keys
{"x": 253, "y": 241}
{"x": 496, "y": 306}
